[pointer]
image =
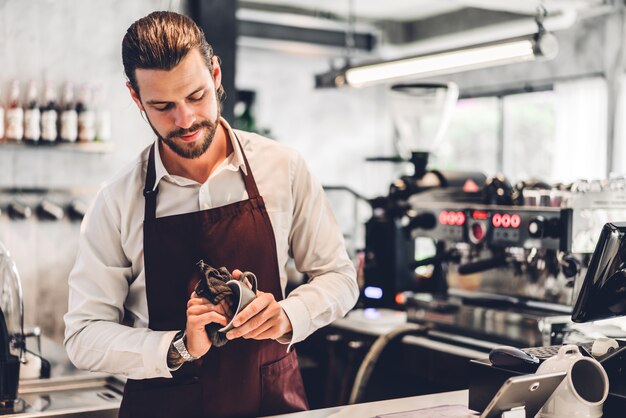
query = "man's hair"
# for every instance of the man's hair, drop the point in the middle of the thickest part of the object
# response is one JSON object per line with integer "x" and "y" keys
{"x": 160, "y": 41}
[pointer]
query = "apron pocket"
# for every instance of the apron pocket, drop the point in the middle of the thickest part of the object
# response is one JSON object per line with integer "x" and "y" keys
{"x": 165, "y": 398}
{"x": 282, "y": 390}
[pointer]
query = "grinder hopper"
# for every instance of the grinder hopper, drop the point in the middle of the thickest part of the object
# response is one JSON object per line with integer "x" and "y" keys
{"x": 421, "y": 113}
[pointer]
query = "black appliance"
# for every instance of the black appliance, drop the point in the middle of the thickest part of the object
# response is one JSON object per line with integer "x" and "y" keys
{"x": 603, "y": 292}
{"x": 390, "y": 261}
{"x": 602, "y": 296}
{"x": 11, "y": 333}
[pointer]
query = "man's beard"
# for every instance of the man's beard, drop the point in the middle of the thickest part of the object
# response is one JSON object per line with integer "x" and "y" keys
{"x": 193, "y": 149}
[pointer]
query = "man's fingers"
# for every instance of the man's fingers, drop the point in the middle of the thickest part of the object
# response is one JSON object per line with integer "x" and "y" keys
{"x": 270, "y": 333}
{"x": 200, "y": 320}
{"x": 202, "y": 309}
{"x": 208, "y": 305}
{"x": 256, "y": 306}
{"x": 214, "y": 317}
{"x": 267, "y": 317}
{"x": 223, "y": 307}
{"x": 198, "y": 301}
{"x": 236, "y": 274}
{"x": 255, "y": 333}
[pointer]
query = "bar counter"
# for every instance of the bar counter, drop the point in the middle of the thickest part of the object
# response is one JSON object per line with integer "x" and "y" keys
{"x": 372, "y": 409}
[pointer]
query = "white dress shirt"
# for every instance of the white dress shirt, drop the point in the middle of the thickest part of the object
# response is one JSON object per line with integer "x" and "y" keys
{"x": 109, "y": 272}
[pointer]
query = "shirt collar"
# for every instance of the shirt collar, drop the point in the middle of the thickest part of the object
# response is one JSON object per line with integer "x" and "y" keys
{"x": 235, "y": 161}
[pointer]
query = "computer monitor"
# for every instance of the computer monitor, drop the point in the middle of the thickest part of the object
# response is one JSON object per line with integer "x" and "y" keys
{"x": 603, "y": 292}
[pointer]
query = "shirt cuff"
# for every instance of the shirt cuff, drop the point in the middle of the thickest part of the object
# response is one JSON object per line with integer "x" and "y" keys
{"x": 300, "y": 319}
{"x": 155, "y": 353}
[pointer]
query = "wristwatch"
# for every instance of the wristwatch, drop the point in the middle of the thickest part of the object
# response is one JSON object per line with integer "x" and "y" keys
{"x": 179, "y": 343}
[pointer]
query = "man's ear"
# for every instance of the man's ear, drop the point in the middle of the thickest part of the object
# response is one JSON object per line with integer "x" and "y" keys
{"x": 134, "y": 96}
{"x": 217, "y": 71}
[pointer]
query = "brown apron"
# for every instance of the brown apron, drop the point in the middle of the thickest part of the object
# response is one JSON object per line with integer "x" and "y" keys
{"x": 245, "y": 377}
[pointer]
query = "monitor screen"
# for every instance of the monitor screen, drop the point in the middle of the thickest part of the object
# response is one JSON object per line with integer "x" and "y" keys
{"x": 603, "y": 292}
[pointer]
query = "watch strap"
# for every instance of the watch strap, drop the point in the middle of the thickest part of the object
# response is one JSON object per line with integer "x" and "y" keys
{"x": 180, "y": 344}
{"x": 174, "y": 359}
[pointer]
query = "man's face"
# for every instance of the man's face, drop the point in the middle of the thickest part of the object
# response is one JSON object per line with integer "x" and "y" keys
{"x": 181, "y": 104}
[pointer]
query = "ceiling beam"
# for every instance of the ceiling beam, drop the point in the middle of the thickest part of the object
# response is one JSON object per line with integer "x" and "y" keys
{"x": 445, "y": 24}
{"x": 333, "y": 38}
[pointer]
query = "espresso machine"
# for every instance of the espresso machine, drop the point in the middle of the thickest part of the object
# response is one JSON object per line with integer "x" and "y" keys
{"x": 508, "y": 268}
{"x": 475, "y": 263}
{"x": 464, "y": 254}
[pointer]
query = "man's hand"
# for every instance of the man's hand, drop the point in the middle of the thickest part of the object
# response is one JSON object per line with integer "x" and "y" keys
{"x": 201, "y": 312}
{"x": 262, "y": 319}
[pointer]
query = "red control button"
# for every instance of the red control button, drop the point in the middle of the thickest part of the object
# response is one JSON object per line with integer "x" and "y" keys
{"x": 478, "y": 231}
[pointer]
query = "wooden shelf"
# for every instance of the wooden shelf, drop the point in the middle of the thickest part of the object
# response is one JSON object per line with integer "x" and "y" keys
{"x": 81, "y": 147}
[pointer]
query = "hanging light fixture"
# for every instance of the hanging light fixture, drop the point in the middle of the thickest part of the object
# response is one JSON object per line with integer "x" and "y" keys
{"x": 541, "y": 45}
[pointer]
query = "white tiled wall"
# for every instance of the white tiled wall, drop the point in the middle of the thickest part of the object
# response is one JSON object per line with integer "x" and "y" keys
{"x": 80, "y": 41}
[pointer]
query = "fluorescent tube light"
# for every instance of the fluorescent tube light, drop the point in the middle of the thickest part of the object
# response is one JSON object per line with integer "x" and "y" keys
{"x": 464, "y": 59}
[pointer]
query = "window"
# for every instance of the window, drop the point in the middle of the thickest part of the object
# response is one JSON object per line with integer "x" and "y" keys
{"x": 471, "y": 143}
{"x": 529, "y": 136}
{"x": 558, "y": 135}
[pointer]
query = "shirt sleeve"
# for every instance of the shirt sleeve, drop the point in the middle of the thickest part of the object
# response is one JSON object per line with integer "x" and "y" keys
{"x": 95, "y": 339}
{"x": 318, "y": 249}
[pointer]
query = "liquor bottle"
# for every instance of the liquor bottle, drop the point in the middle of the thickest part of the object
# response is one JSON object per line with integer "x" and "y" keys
{"x": 15, "y": 114}
{"x": 49, "y": 115}
{"x": 103, "y": 116}
{"x": 69, "y": 117}
{"x": 32, "y": 115}
{"x": 86, "y": 116}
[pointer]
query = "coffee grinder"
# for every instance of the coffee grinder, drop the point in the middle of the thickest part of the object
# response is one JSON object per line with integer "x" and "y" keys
{"x": 421, "y": 114}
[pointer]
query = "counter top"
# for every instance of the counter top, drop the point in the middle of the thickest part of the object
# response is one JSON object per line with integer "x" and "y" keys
{"x": 372, "y": 409}
{"x": 377, "y": 322}
{"x": 68, "y": 392}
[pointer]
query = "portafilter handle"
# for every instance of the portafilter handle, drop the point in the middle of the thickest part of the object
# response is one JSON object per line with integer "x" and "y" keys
{"x": 482, "y": 265}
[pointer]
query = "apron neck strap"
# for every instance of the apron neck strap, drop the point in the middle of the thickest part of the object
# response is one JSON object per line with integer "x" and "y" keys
{"x": 150, "y": 192}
